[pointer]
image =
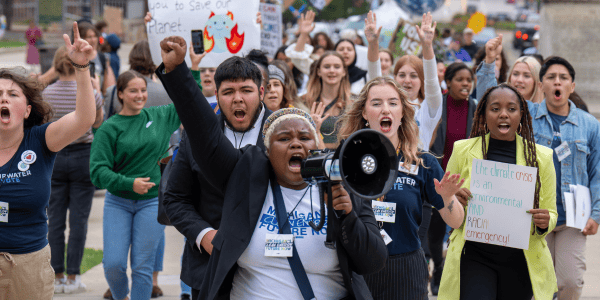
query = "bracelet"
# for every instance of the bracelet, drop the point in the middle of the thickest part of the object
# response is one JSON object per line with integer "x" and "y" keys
{"x": 80, "y": 66}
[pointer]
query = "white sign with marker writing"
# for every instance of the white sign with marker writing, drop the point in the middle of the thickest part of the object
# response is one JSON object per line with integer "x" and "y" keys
{"x": 502, "y": 193}
{"x": 272, "y": 28}
{"x": 228, "y": 26}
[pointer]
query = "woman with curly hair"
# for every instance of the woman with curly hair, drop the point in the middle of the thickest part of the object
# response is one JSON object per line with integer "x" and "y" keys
{"x": 28, "y": 148}
{"x": 502, "y": 132}
{"x": 384, "y": 107}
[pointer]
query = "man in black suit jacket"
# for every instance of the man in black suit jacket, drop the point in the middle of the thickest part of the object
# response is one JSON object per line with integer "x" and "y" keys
{"x": 192, "y": 204}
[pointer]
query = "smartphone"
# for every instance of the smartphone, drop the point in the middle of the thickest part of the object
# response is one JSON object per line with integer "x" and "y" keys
{"x": 92, "y": 69}
{"x": 198, "y": 41}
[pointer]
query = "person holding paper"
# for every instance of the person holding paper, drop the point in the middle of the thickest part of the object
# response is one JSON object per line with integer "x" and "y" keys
{"x": 265, "y": 198}
{"x": 573, "y": 134}
{"x": 502, "y": 132}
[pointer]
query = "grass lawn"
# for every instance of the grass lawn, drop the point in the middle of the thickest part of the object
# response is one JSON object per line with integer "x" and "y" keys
{"x": 91, "y": 258}
{"x": 11, "y": 44}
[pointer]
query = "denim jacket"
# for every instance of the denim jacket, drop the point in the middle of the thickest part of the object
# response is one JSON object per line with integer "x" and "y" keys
{"x": 580, "y": 130}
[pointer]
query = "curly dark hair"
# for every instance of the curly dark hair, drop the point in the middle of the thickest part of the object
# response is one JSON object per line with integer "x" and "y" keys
{"x": 41, "y": 111}
{"x": 525, "y": 131}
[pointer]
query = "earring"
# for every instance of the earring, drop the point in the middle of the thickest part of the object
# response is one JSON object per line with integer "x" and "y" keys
{"x": 367, "y": 124}
{"x": 485, "y": 127}
{"x": 400, "y": 122}
{"x": 520, "y": 128}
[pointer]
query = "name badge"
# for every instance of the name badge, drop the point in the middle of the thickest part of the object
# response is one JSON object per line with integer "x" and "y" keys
{"x": 384, "y": 211}
{"x": 386, "y": 237}
{"x": 412, "y": 169}
{"x": 562, "y": 151}
{"x": 279, "y": 245}
{"x": 3, "y": 212}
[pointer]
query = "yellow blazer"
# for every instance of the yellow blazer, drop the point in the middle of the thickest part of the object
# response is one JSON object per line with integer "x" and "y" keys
{"x": 539, "y": 261}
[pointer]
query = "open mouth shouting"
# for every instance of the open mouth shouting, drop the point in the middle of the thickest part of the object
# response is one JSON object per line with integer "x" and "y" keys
{"x": 557, "y": 94}
{"x": 5, "y": 115}
{"x": 464, "y": 92}
{"x": 504, "y": 127}
{"x": 239, "y": 114}
{"x": 385, "y": 124}
{"x": 295, "y": 162}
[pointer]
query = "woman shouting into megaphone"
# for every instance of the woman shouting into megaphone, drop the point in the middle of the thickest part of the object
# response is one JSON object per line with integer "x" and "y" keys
{"x": 384, "y": 107}
{"x": 264, "y": 247}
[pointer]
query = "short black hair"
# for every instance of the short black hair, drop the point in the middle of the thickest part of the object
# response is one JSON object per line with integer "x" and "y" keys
{"x": 454, "y": 68}
{"x": 237, "y": 68}
{"x": 556, "y": 60}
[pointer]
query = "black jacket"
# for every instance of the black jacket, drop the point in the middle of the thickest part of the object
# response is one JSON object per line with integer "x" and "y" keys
{"x": 192, "y": 204}
{"x": 439, "y": 139}
{"x": 243, "y": 175}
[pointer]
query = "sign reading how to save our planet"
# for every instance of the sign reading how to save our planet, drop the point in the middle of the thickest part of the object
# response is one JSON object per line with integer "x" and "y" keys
{"x": 502, "y": 193}
{"x": 228, "y": 26}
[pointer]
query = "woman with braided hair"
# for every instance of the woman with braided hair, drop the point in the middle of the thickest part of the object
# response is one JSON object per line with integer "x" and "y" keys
{"x": 502, "y": 132}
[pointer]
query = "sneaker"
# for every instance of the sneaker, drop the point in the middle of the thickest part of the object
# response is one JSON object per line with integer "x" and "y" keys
{"x": 59, "y": 285}
{"x": 74, "y": 286}
{"x": 108, "y": 295}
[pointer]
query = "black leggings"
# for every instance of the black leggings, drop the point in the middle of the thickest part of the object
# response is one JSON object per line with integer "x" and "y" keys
{"x": 486, "y": 279}
{"x": 437, "y": 231}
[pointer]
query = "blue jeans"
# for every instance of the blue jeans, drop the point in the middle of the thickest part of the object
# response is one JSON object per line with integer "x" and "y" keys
{"x": 73, "y": 191}
{"x": 185, "y": 289}
{"x": 130, "y": 223}
{"x": 160, "y": 253}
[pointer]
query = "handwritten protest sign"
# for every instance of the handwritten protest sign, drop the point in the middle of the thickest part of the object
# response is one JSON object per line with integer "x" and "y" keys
{"x": 405, "y": 39}
{"x": 272, "y": 28}
{"x": 502, "y": 193}
{"x": 229, "y": 26}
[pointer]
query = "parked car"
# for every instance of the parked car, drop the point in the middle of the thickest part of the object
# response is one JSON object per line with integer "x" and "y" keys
{"x": 523, "y": 35}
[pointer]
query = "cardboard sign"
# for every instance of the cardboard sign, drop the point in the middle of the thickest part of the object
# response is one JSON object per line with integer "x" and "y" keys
{"x": 229, "y": 27}
{"x": 114, "y": 18}
{"x": 502, "y": 193}
{"x": 405, "y": 40}
{"x": 272, "y": 28}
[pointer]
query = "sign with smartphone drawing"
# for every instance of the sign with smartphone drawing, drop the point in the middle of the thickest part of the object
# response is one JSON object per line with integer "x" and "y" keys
{"x": 222, "y": 28}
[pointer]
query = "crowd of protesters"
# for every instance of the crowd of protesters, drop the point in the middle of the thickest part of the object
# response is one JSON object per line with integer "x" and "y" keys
{"x": 237, "y": 132}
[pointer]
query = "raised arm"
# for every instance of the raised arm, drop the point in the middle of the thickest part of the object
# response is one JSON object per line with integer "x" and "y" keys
{"x": 299, "y": 52}
{"x": 372, "y": 35}
{"x": 453, "y": 212}
{"x": 73, "y": 125}
{"x": 211, "y": 150}
{"x": 486, "y": 74}
{"x": 433, "y": 92}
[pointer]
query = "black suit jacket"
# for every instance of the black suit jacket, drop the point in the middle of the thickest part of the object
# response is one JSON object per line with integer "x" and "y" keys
{"x": 243, "y": 175}
{"x": 193, "y": 204}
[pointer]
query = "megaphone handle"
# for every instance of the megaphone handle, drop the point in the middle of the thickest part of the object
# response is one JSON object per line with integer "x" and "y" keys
{"x": 331, "y": 219}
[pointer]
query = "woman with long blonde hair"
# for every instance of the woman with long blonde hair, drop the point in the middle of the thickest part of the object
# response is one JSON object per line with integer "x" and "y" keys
{"x": 384, "y": 107}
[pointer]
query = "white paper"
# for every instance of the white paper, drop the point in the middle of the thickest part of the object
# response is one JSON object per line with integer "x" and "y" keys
{"x": 384, "y": 211}
{"x": 583, "y": 206}
{"x": 3, "y": 212}
{"x": 229, "y": 27}
{"x": 502, "y": 193}
{"x": 386, "y": 237}
{"x": 570, "y": 209}
{"x": 279, "y": 245}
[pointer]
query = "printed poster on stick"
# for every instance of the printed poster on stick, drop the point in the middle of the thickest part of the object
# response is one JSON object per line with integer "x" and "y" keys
{"x": 405, "y": 39}
{"x": 272, "y": 28}
{"x": 228, "y": 27}
{"x": 502, "y": 193}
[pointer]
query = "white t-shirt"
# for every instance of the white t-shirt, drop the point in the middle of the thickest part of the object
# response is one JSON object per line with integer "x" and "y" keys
{"x": 426, "y": 123}
{"x": 212, "y": 99}
{"x": 260, "y": 277}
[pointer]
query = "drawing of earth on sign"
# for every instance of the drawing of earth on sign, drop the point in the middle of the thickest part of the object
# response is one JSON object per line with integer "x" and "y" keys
{"x": 221, "y": 34}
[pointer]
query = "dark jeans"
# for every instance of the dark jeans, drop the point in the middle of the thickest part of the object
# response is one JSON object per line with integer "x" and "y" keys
{"x": 424, "y": 228}
{"x": 437, "y": 231}
{"x": 72, "y": 190}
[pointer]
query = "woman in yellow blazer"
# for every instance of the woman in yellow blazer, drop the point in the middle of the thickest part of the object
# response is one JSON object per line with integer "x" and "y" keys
{"x": 484, "y": 271}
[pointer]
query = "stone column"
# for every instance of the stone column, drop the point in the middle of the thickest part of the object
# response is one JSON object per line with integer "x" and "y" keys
{"x": 571, "y": 29}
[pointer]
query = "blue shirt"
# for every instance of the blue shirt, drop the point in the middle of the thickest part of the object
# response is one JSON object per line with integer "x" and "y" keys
{"x": 556, "y": 141}
{"x": 27, "y": 194}
{"x": 408, "y": 193}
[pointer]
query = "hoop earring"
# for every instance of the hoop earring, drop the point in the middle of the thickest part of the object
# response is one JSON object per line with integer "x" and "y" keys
{"x": 520, "y": 128}
{"x": 485, "y": 128}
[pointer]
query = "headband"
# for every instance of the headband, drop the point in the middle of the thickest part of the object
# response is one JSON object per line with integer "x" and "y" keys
{"x": 276, "y": 73}
{"x": 285, "y": 114}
